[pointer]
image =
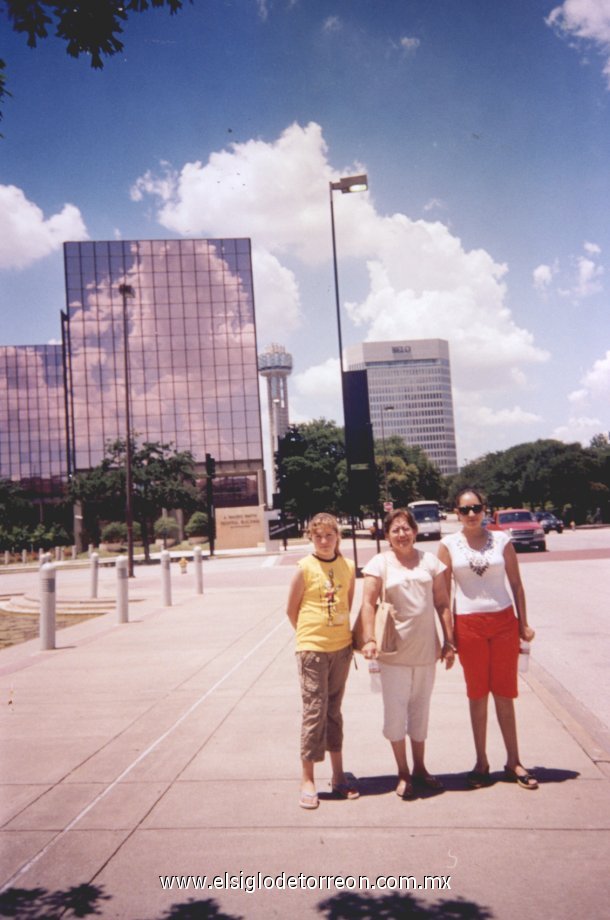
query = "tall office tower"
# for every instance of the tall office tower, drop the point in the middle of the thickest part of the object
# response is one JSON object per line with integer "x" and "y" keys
{"x": 32, "y": 419}
{"x": 276, "y": 365}
{"x": 187, "y": 360}
{"x": 410, "y": 394}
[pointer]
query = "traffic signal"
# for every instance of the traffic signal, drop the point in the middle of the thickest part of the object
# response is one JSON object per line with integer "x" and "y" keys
{"x": 210, "y": 466}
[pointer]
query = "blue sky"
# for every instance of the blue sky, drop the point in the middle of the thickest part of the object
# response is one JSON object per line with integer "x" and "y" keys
{"x": 484, "y": 131}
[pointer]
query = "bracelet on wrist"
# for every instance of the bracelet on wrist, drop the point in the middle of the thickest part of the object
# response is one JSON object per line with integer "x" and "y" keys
{"x": 450, "y": 645}
{"x": 370, "y": 639}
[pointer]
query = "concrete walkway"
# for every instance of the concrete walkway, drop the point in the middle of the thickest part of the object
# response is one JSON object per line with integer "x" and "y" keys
{"x": 168, "y": 746}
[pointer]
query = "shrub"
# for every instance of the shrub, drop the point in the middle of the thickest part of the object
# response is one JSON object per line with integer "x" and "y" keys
{"x": 115, "y": 532}
{"x": 166, "y": 528}
{"x": 197, "y": 525}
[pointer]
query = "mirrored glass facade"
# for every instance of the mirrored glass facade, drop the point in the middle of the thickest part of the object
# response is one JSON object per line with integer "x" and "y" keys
{"x": 410, "y": 383}
{"x": 32, "y": 417}
{"x": 191, "y": 349}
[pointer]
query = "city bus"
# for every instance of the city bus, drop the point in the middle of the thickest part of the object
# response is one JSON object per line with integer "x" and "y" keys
{"x": 428, "y": 517}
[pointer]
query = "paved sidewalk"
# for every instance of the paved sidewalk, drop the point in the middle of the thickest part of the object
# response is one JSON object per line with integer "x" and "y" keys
{"x": 169, "y": 746}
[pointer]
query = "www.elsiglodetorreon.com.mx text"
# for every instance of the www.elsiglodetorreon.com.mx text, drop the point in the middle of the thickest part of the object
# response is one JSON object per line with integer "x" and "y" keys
{"x": 259, "y": 881}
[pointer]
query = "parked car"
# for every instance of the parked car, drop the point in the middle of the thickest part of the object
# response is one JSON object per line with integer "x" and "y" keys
{"x": 524, "y": 530}
{"x": 549, "y": 521}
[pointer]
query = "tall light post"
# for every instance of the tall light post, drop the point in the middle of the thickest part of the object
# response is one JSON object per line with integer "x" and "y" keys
{"x": 385, "y": 409}
{"x": 346, "y": 186}
{"x": 126, "y": 290}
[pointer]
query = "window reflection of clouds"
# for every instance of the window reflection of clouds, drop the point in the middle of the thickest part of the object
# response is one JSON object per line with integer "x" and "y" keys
{"x": 32, "y": 420}
{"x": 190, "y": 295}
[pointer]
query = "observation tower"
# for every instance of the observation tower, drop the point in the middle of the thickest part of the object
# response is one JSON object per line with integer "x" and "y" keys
{"x": 275, "y": 364}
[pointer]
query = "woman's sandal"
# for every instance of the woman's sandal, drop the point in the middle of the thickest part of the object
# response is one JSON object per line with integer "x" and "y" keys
{"x": 525, "y": 780}
{"x": 427, "y": 781}
{"x": 308, "y": 800}
{"x": 477, "y": 779}
{"x": 404, "y": 789}
{"x": 345, "y": 790}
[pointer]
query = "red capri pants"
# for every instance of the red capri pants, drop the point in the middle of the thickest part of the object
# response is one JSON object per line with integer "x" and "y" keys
{"x": 488, "y": 649}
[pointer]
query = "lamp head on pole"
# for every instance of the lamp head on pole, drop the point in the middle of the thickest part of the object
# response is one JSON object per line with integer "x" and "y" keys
{"x": 351, "y": 184}
{"x": 126, "y": 290}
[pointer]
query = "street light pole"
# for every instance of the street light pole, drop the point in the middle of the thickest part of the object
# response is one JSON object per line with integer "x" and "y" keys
{"x": 346, "y": 185}
{"x": 126, "y": 290}
{"x": 385, "y": 409}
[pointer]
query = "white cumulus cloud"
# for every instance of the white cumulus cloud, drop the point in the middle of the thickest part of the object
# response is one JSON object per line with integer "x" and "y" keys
{"x": 589, "y": 278}
{"x": 499, "y": 418}
{"x": 582, "y": 280}
{"x": 579, "y": 428}
{"x": 592, "y": 396}
{"x": 420, "y": 281}
{"x": 543, "y": 276}
{"x": 276, "y": 293}
{"x": 26, "y": 235}
{"x": 587, "y": 22}
{"x": 596, "y": 382}
{"x": 316, "y": 393}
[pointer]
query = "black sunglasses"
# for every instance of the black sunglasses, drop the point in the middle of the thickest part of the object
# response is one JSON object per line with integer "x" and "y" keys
{"x": 466, "y": 509}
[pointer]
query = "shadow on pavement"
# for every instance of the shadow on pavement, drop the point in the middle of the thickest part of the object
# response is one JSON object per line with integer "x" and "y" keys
{"x": 550, "y": 775}
{"x": 40, "y": 904}
{"x": 84, "y": 901}
{"x": 398, "y": 907}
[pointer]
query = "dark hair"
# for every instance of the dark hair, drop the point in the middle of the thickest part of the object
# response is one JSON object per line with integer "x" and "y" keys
{"x": 397, "y": 513}
{"x": 474, "y": 491}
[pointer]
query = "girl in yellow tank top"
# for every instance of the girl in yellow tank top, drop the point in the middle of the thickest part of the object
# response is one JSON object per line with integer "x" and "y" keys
{"x": 319, "y": 603}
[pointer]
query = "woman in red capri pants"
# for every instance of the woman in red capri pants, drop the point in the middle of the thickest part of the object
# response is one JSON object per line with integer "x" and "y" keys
{"x": 489, "y": 624}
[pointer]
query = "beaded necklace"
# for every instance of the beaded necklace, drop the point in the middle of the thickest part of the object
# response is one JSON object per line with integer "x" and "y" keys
{"x": 478, "y": 559}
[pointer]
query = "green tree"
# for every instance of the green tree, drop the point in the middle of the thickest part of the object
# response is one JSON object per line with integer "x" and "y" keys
{"x": 411, "y": 474}
{"x": 600, "y": 442}
{"x": 162, "y": 479}
{"x": 543, "y": 474}
{"x": 12, "y": 502}
{"x": 88, "y": 27}
{"x": 311, "y": 469}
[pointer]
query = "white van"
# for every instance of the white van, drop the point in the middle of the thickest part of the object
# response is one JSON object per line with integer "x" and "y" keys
{"x": 428, "y": 517}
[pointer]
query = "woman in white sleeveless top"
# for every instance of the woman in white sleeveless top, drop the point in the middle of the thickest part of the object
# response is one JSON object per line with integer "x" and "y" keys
{"x": 489, "y": 624}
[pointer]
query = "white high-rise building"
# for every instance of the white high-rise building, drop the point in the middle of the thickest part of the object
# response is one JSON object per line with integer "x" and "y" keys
{"x": 410, "y": 394}
{"x": 275, "y": 364}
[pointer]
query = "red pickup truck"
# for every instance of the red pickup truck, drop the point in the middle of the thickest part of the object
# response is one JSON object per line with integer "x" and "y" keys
{"x": 522, "y": 527}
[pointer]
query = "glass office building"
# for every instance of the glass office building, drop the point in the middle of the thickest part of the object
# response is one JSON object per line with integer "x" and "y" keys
{"x": 32, "y": 418}
{"x": 190, "y": 368}
{"x": 410, "y": 394}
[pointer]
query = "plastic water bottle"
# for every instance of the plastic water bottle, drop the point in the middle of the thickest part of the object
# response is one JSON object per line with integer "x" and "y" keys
{"x": 524, "y": 656}
{"x": 375, "y": 675}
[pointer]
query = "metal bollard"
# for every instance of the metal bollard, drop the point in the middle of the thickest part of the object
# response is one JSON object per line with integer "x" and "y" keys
{"x": 166, "y": 578}
{"x": 47, "y": 606}
{"x": 95, "y": 558}
{"x": 198, "y": 570}
{"x": 7, "y": 557}
{"x": 24, "y": 556}
{"x": 122, "y": 601}
{"x": 74, "y": 552}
